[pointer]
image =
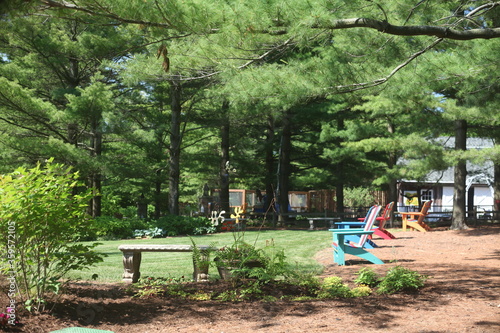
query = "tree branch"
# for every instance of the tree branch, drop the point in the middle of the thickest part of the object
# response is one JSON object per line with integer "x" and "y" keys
{"x": 374, "y": 83}
{"x": 418, "y": 30}
{"x": 381, "y": 25}
{"x": 265, "y": 54}
{"x": 67, "y": 5}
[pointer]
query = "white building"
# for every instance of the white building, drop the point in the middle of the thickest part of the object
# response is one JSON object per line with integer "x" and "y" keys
{"x": 438, "y": 185}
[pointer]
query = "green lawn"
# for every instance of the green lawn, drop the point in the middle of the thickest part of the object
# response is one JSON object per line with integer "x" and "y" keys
{"x": 300, "y": 246}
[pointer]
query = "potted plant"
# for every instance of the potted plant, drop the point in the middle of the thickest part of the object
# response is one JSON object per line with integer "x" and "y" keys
{"x": 237, "y": 259}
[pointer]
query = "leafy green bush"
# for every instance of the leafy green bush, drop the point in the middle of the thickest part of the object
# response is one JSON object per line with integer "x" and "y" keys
{"x": 333, "y": 286}
{"x": 275, "y": 265}
{"x": 109, "y": 228}
{"x": 361, "y": 291}
{"x": 40, "y": 223}
{"x": 399, "y": 279}
{"x": 358, "y": 197}
{"x": 149, "y": 233}
{"x": 241, "y": 260}
{"x": 174, "y": 225}
{"x": 367, "y": 277}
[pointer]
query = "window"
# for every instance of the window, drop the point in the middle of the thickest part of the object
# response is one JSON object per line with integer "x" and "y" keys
{"x": 426, "y": 195}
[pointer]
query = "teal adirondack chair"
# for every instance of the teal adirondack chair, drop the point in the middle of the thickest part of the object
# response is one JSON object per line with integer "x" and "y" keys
{"x": 369, "y": 244}
{"x": 341, "y": 246}
{"x": 379, "y": 231}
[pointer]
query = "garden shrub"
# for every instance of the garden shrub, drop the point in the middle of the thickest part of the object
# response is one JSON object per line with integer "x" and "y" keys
{"x": 246, "y": 261}
{"x": 358, "y": 197}
{"x": 110, "y": 228}
{"x": 399, "y": 279}
{"x": 334, "y": 287}
{"x": 361, "y": 291}
{"x": 173, "y": 225}
{"x": 41, "y": 219}
{"x": 149, "y": 233}
{"x": 367, "y": 277}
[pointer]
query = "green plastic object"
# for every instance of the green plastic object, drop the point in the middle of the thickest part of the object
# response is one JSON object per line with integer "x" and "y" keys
{"x": 79, "y": 330}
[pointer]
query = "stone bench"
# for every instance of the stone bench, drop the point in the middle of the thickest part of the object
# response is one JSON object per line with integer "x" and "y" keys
{"x": 132, "y": 255}
{"x": 329, "y": 220}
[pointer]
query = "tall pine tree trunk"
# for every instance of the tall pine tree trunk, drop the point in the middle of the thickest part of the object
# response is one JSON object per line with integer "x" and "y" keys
{"x": 94, "y": 178}
{"x": 496, "y": 190}
{"x": 284, "y": 167}
{"x": 393, "y": 184}
{"x": 339, "y": 184}
{"x": 224, "y": 162}
{"x": 459, "y": 218}
{"x": 339, "y": 187}
{"x": 269, "y": 179}
{"x": 159, "y": 178}
{"x": 158, "y": 183}
{"x": 175, "y": 146}
{"x": 97, "y": 178}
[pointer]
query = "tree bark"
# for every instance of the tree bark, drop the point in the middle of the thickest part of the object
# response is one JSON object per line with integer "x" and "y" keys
{"x": 339, "y": 188}
{"x": 393, "y": 184}
{"x": 158, "y": 183}
{"x": 460, "y": 174}
{"x": 97, "y": 179}
{"x": 269, "y": 179}
{"x": 496, "y": 190}
{"x": 407, "y": 30}
{"x": 339, "y": 184}
{"x": 175, "y": 146}
{"x": 94, "y": 177}
{"x": 224, "y": 161}
{"x": 284, "y": 167}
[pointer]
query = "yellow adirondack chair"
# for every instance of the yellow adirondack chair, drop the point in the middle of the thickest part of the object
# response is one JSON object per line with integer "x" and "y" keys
{"x": 415, "y": 220}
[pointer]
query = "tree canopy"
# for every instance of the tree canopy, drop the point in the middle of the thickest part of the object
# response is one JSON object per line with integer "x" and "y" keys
{"x": 308, "y": 93}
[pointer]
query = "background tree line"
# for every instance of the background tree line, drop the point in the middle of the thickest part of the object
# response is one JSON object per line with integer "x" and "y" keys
{"x": 156, "y": 98}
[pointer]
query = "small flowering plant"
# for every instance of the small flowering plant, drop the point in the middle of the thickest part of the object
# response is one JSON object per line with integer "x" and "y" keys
{"x": 8, "y": 318}
{"x": 4, "y": 319}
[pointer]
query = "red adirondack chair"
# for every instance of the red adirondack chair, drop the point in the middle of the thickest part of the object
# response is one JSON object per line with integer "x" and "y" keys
{"x": 386, "y": 216}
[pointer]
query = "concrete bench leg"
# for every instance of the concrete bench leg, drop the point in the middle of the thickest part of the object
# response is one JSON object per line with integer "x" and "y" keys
{"x": 200, "y": 272}
{"x": 131, "y": 266}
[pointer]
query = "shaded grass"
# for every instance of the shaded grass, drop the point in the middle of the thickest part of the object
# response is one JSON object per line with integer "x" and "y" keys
{"x": 299, "y": 246}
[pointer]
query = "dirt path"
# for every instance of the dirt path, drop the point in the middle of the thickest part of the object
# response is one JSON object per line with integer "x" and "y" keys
{"x": 462, "y": 295}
